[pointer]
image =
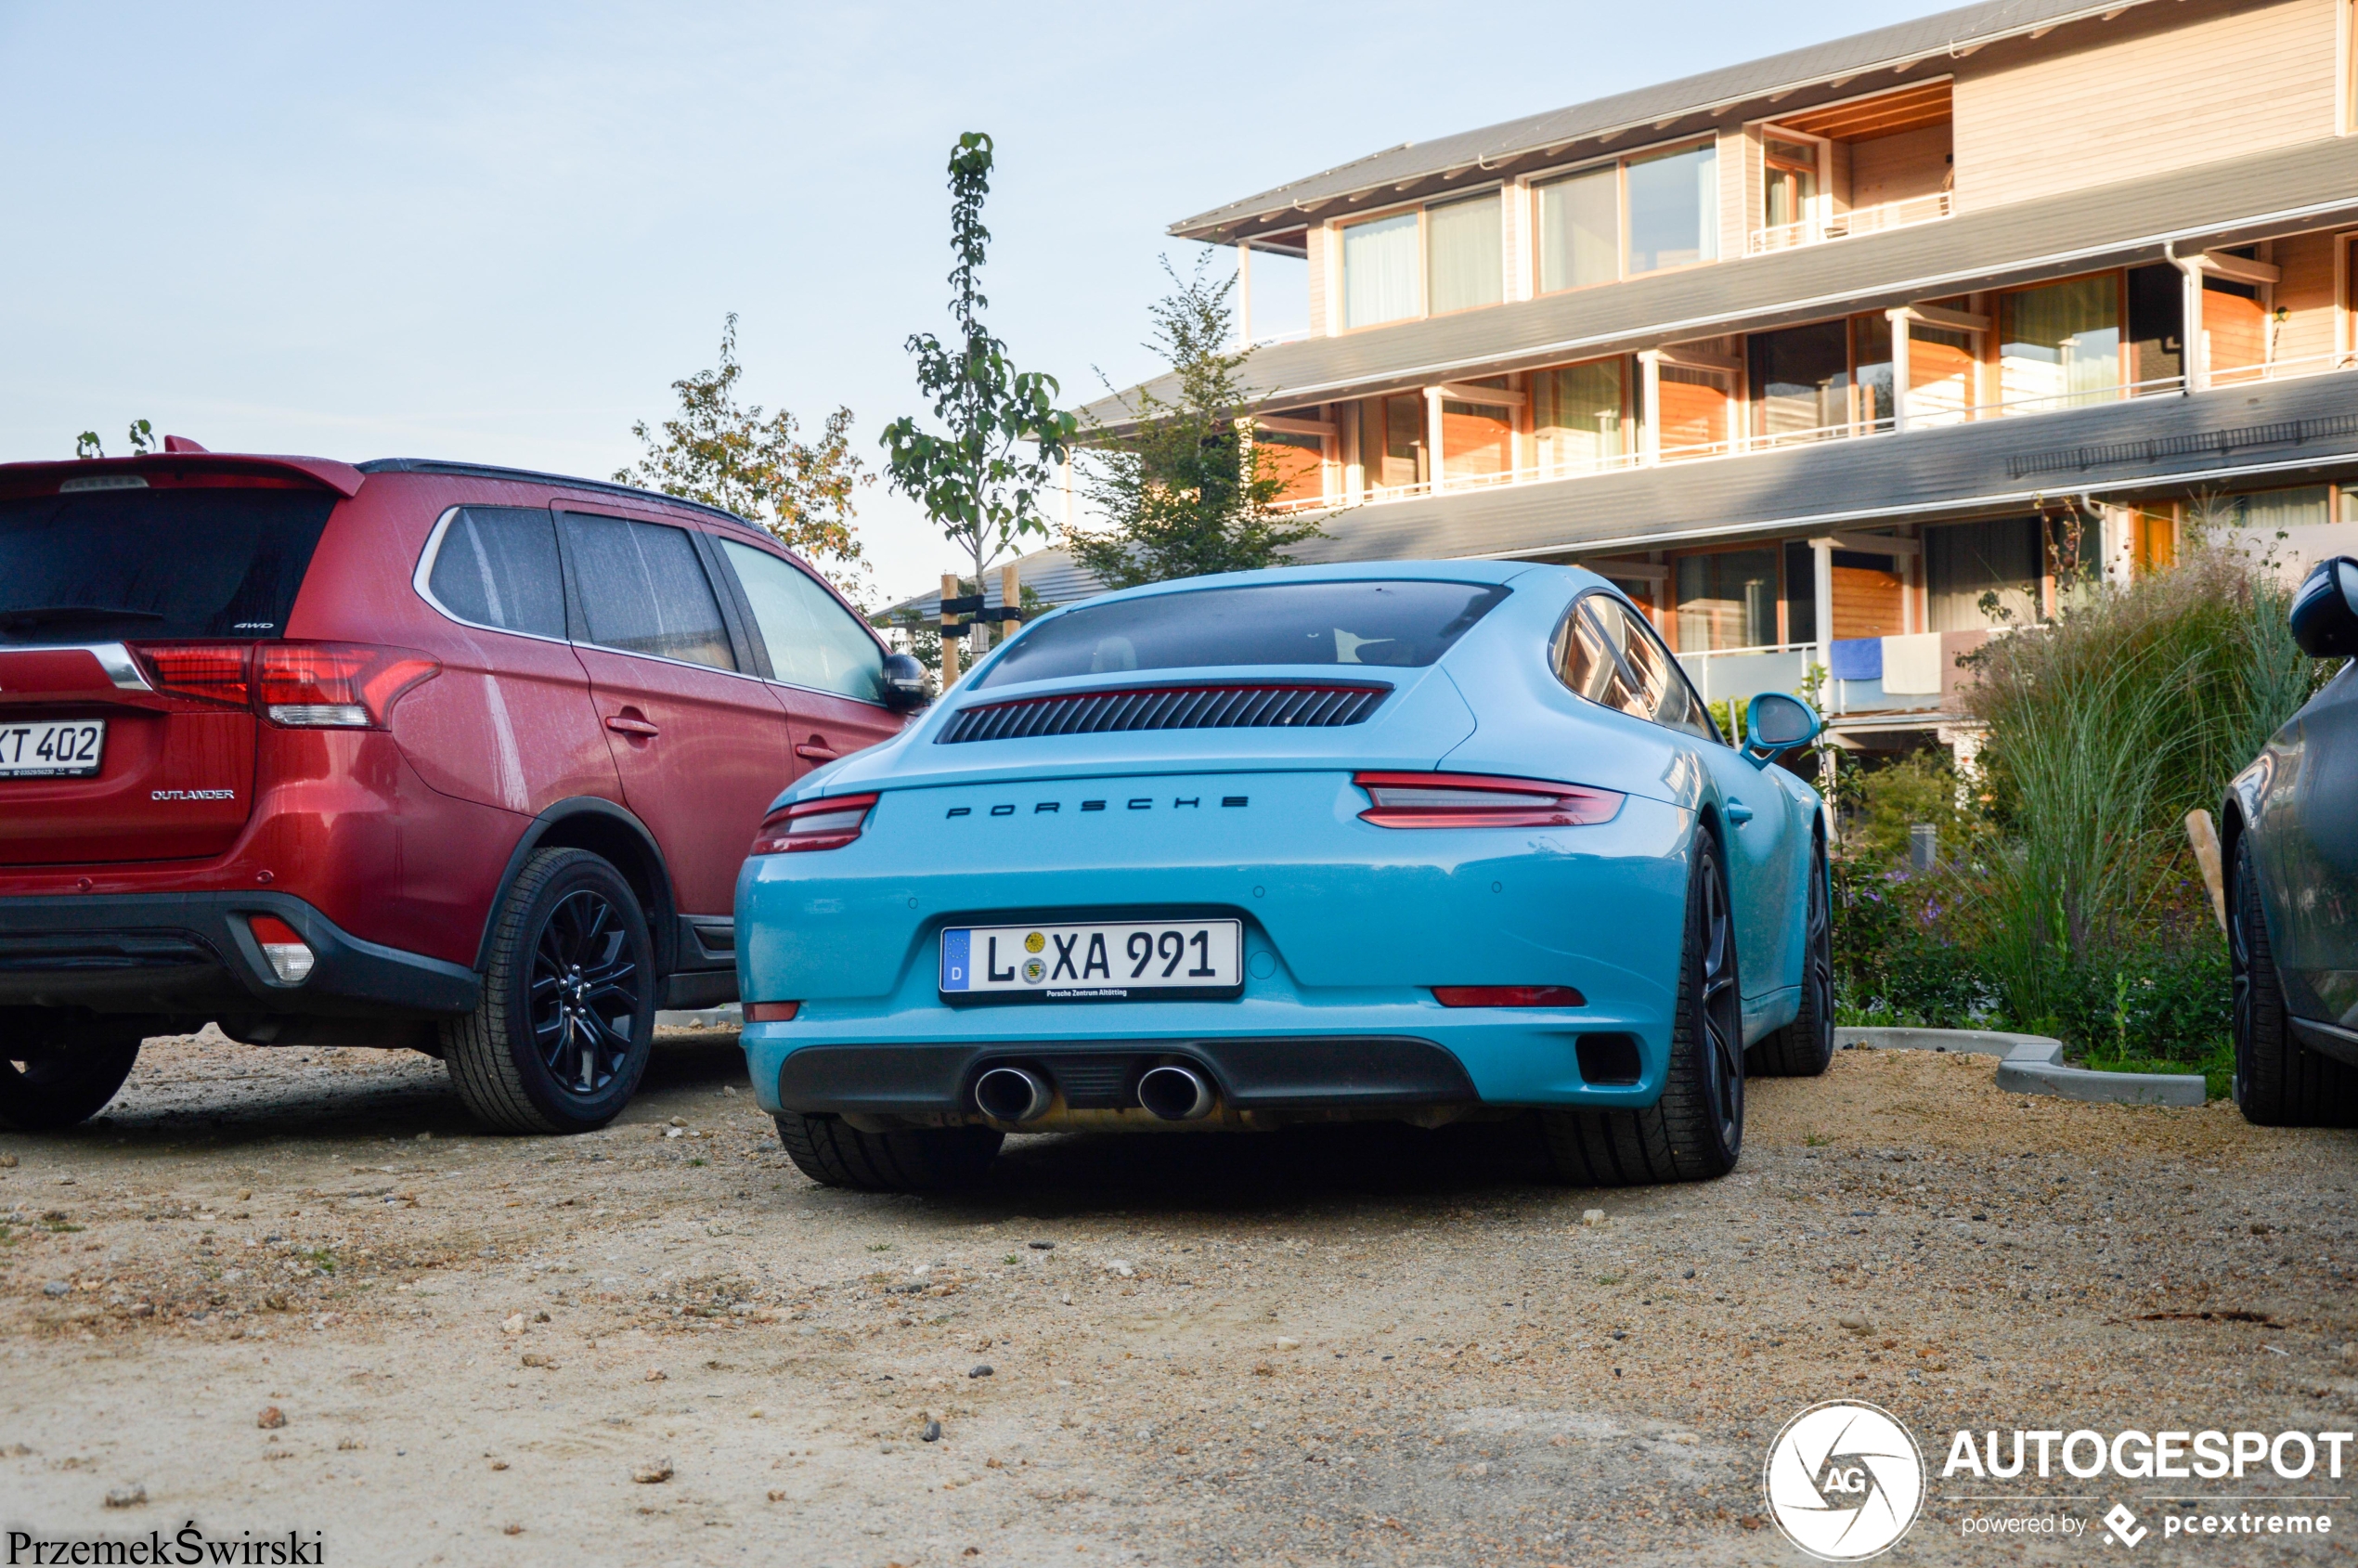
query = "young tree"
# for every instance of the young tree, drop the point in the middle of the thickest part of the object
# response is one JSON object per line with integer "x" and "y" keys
{"x": 730, "y": 455}
{"x": 973, "y": 481}
{"x": 1187, "y": 491}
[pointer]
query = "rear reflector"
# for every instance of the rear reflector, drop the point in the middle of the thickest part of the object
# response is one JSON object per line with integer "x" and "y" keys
{"x": 771, "y": 1012}
{"x": 290, "y": 956}
{"x": 1507, "y": 996}
{"x": 1479, "y": 800}
{"x": 829, "y": 823}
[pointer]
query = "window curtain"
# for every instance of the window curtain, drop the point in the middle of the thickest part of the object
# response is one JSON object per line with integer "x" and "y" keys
{"x": 1380, "y": 271}
{"x": 1575, "y": 415}
{"x": 1579, "y": 224}
{"x": 2059, "y": 346}
{"x": 1467, "y": 259}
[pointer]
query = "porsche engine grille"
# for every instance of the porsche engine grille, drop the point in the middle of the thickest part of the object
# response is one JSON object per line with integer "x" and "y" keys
{"x": 1287, "y": 705}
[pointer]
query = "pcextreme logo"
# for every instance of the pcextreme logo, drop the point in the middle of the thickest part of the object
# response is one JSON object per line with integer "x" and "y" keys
{"x": 1843, "y": 1481}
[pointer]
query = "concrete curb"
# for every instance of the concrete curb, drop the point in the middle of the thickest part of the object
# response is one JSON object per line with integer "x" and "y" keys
{"x": 2032, "y": 1064}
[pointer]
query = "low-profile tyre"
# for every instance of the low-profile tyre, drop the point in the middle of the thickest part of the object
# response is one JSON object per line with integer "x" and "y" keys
{"x": 2279, "y": 1083}
{"x": 561, "y": 1035}
{"x": 1803, "y": 1047}
{"x": 56, "y": 1079}
{"x": 834, "y": 1153}
{"x": 1694, "y": 1131}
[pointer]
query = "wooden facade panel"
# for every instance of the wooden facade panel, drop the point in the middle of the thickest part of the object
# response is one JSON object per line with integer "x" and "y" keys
{"x": 1900, "y": 168}
{"x": 1867, "y": 603}
{"x": 2305, "y": 293}
{"x": 1739, "y": 189}
{"x": 2146, "y": 99}
{"x": 1317, "y": 239}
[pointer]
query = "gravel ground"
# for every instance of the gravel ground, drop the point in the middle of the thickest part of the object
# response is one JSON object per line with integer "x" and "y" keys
{"x": 1365, "y": 1344}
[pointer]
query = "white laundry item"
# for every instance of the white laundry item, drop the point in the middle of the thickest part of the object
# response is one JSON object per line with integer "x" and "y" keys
{"x": 1912, "y": 665}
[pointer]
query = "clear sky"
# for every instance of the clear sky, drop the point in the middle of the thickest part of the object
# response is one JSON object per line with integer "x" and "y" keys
{"x": 499, "y": 231}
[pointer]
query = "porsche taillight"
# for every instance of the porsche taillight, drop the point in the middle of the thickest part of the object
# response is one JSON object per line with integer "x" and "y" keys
{"x": 1480, "y": 800}
{"x": 829, "y": 823}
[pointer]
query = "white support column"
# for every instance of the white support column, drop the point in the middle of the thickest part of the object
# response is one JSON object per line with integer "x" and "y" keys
{"x": 1432, "y": 437}
{"x": 1650, "y": 421}
{"x": 1900, "y": 319}
{"x": 2195, "y": 343}
{"x": 1244, "y": 293}
{"x": 1821, "y": 555}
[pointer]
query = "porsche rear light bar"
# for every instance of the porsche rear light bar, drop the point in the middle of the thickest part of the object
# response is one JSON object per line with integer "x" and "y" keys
{"x": 295, "y": 685}
{"x": 1509, "y": 996}
{"x": 771, "y": 1012}
{"x": 829, "y": 823}
{"x": 1480, "y": 800}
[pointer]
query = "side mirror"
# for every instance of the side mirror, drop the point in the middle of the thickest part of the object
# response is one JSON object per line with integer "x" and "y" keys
{"x": 2325, "y": 609}
{"x": 1774, "y": 724}
{"x": 904, "y": 683}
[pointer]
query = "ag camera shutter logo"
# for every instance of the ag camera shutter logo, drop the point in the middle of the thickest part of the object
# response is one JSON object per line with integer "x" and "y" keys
{"x": 1843, "y": 1481}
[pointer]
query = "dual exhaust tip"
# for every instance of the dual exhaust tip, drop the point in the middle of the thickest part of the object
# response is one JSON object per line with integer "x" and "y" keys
{"x": 1020, "y": 1094}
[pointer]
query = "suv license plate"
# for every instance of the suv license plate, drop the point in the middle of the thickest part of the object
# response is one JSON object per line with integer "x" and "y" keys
{"x": 63, "y": 749}
{"x": 1114, "y": 960}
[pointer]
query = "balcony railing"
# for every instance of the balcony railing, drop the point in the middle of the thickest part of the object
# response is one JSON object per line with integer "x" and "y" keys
{"x": 1923, "y": 413}
{"x": 1844, "y": 226}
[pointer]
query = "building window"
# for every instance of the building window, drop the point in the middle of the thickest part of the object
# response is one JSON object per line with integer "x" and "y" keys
{"x": 1465, "y": 254}
{"x": 2153, "y": 539}
{"x": 1297, "y": 462}
{"x": 1391, "y": 442}
{"x": 1791, "y": 181}
{"x": 2157, "y": 327}
{"x": 1380, "y": 270}
{"x": 1673, "y": 208}
{"x": 1871, "y": 404}
{"x": 1671, "y": 201}
{"x": 1477, "y": 439}
{"x": 1964, "y": 563}
{"x": 1800, "y": 381}
{"x": 1579, "y": 224}
{"x": 1727, "y": 598}
{"x": 1579, "y": 418}
{"x": 2059, "y": 345}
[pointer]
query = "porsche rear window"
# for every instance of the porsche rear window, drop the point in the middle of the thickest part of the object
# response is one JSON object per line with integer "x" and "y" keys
{"x": 1377, "y": 623}
{"x": 203, "y": 561}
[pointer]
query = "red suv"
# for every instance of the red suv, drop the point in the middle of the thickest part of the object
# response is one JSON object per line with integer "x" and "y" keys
{"x": 408, "y": 754}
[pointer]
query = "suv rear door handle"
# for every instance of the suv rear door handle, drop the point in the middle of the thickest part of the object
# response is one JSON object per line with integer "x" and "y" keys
{"x": 816, "y": 749}
{"x": 624, "y": 724}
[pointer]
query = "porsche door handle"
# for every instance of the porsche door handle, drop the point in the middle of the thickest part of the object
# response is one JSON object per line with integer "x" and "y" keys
{"x": 1739, "y": 814}
{"x": 625, "y": 725}
{"x": 816, "y": 749}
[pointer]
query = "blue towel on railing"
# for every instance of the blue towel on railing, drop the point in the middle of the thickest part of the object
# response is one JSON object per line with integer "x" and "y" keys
{"x": 1856, "y": 658}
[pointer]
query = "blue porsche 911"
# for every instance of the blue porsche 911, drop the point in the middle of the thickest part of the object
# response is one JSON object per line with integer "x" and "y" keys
{"x": 1418, "y": 841}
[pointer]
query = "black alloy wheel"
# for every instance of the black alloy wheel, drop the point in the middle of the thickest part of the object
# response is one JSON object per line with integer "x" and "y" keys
{"x": 2278, "y": 1082}
{"x": 1803, "y": 1047}
{"x": 1721, "y": 1014}
{"x": 562, "y": 1034}
{"x": 585, "y": 986}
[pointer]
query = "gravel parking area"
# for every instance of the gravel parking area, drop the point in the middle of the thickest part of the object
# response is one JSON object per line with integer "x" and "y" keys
{"x": 662, "y": 1344}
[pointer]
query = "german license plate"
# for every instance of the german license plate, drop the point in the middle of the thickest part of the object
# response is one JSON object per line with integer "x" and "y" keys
{"x": 57, "y": 749}
{"x": 1114, "y": 960}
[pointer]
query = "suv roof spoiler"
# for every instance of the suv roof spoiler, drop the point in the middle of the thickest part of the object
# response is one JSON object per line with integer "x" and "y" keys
{"x": 44, "y": 478}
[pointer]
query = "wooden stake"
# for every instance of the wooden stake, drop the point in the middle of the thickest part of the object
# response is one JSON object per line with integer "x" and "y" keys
{"x": 1010, "y": 595}
{"x": 2203, "y": 834}
{"x": 949, "y": 644}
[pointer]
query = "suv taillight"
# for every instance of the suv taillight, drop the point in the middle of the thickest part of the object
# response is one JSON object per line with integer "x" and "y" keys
{"x": 299, "y": 685}
{"x": 211, "y": 672}
{"x": 335, "y": 685}
{"x": 1479, "y": 800}
{"x": 829, "y": 823}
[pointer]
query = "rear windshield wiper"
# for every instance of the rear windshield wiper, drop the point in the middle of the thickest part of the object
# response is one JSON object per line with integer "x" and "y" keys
{"x": 45, "y": 615}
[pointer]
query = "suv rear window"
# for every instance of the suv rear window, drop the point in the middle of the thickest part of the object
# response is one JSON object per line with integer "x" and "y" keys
{"x": 155, "y": 564}
{"x": 1383, "y": 623}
